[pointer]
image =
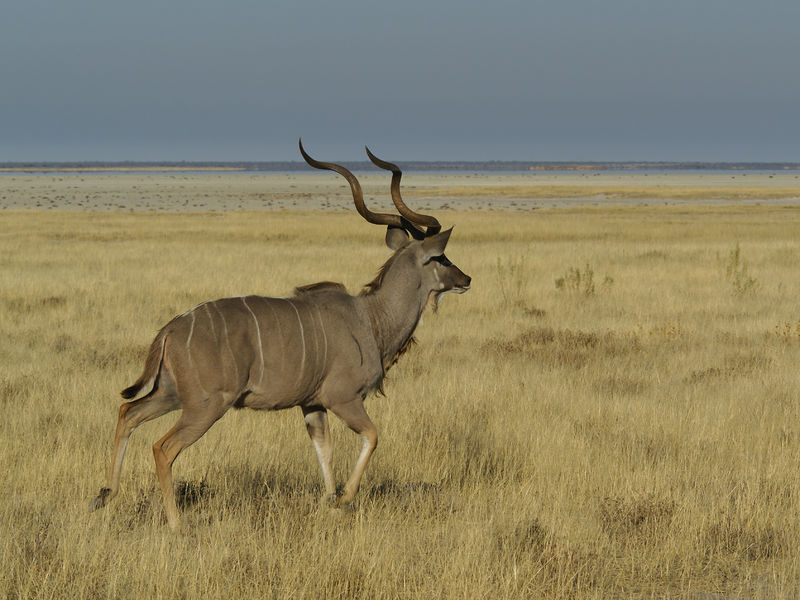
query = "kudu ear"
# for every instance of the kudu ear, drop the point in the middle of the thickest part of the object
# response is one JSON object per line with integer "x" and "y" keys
{"x": 396, "y": 237}
{"x": 434, "y": 245}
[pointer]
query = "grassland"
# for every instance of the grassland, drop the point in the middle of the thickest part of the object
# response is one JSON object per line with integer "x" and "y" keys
{"x": 612, "y": 411}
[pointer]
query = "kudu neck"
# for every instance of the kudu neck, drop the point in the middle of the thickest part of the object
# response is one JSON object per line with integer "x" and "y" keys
{"x": 395, "y": 307}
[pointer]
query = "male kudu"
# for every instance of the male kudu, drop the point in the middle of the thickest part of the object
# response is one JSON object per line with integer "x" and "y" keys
{"x": 320, "y": 349}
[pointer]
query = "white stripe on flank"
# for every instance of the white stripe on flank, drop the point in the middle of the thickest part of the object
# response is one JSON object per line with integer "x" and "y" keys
{"x": 210, "y": 320}
{"x": 189, "y": 339}
{"x": 189, "y": 354}
{"x": 227, "y": 339}
{"x": 191, "y": 310}
{"x": 258, "y": 334}
{"x": 324, "y": 339}
{"x": 302, "y": 340}
{"x": 280, "y": 335}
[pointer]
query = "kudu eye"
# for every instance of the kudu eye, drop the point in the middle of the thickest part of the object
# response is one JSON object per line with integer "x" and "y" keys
{"x": 441, "y": 259}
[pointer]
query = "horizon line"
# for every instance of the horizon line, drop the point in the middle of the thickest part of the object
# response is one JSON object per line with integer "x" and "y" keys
{"x": 413, "y": 165}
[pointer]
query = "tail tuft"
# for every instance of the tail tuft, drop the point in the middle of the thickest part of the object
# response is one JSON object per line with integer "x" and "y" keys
{"x": 152, "y": 367}
{"x": 130, "y": 392}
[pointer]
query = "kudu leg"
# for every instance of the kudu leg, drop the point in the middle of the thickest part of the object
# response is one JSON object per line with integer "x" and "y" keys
{"x": 190, "y": 427}
{"x": 131, "y": 415}
{"x": 318, "y": 430}
{"x": 354, "y": 415}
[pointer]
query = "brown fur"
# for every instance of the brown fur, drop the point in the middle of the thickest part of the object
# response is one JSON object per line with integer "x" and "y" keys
{"x": 375, "y": 284}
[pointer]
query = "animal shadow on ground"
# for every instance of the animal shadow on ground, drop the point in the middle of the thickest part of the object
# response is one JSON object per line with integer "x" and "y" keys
{"x": 411, "y": 495}
{"x": 147, "y": 504}
{"x": 401, "y": 489}
{"x": 270, "y": 491}
{"x": 190, "y": 493}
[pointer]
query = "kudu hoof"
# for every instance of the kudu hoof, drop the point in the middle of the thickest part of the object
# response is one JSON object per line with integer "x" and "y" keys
{"x": 345, "y": 501}
{"x": 100, "y": 500}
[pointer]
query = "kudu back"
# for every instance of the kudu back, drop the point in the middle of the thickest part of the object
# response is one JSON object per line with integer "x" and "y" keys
{"x": 320, "y": 349}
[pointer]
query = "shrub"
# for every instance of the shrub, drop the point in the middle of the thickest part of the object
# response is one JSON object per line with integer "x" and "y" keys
{"x": 582, "y": 282}
{"x": 737, "y": 274}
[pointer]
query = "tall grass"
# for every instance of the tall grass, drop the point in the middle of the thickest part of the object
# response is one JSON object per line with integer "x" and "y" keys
{"x": 640, "y": 442}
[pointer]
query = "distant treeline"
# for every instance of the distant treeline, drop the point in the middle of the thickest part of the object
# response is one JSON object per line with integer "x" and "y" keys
{"x": 499, "y": 165}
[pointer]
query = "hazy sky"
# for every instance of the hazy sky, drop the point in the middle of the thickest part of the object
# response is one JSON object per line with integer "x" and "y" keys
{"x": 413, "y": 79}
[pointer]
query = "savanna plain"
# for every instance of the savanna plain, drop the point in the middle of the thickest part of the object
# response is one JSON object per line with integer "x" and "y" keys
{"x": 612, "y": 411}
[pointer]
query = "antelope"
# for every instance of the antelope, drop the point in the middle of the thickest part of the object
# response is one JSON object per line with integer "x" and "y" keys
{"x": 320, "y": 349}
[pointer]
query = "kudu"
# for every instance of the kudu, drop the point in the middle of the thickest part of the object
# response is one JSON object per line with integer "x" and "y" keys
{"x": 320, "y": 349}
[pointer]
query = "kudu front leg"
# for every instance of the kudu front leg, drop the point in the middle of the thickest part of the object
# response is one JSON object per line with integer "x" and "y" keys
{"x": 354, "y": 415}
{"x": 316, "y": 419}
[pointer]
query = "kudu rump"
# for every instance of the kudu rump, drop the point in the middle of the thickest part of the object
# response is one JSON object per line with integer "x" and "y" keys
{"x": 320, "y": 349}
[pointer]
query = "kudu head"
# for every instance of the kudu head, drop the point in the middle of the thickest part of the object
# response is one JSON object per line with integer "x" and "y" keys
{"x": 416, "y": 239}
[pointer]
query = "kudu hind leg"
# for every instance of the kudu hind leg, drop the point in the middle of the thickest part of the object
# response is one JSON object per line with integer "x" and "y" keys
{"x": 131, "y": 415}
{"x": 319, "y": 431}
{"x": 354, "y": 415}
{"x": 190, "y": 427}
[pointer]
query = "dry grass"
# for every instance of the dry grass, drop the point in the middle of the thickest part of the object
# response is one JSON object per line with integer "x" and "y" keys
{"x": 641, "y": 440}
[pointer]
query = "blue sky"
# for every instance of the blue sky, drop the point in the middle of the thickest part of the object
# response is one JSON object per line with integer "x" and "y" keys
{"x": 415, "y": 80}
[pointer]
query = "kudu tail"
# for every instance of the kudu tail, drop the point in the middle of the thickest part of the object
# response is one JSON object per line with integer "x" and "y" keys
{"x": 152, "y": 367}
